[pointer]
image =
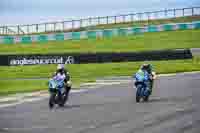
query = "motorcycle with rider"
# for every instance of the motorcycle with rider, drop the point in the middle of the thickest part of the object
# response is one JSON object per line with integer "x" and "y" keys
{"x": 59, "y": 86}
{"x": 144, "y": 80}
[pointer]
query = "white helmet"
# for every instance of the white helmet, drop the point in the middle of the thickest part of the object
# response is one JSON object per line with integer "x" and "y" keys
{"x": 60, "y": 66}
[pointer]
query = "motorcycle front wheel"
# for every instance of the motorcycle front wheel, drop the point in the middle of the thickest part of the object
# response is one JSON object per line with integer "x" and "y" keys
{"x": 52, "y": 100}
{"x": 138, "y": 93}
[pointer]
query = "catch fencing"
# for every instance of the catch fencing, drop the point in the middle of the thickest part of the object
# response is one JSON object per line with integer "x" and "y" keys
{"x": 91, "y": 23}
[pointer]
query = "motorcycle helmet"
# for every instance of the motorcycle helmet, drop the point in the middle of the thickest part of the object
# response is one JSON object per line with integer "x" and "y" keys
{"x": 60, "y": 66}
{"x": 145, "y": 66}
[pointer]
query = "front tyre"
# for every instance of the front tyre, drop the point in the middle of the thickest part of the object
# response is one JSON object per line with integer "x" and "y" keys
{"x": 60, "y": 99}
{"x": 52, "y": 100}
{"x": 138, "y": 92}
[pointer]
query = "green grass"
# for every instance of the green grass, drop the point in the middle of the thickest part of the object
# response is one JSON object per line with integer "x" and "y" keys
{"x": 84, "y": 73}
{"x": 144, "y": 42}
{"x": 21, "y": 86}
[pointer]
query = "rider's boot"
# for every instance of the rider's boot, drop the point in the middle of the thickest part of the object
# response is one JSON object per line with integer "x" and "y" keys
{"x": 151, "y": 87}
{"x": 67, "y": 92}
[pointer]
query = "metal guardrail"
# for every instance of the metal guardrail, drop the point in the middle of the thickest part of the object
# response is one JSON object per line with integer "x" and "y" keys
{"x": 88, "y": 23}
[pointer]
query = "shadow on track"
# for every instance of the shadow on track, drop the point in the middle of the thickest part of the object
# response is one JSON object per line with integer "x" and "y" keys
{"x": 79, "y": 106}
{"x": 169, "y": 99}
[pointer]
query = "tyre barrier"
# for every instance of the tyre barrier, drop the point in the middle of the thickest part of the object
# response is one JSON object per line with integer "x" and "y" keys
{"x": 85, "y": 58}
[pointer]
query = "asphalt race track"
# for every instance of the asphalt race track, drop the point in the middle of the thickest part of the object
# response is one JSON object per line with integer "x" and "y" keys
{"x": 174, "y": 107}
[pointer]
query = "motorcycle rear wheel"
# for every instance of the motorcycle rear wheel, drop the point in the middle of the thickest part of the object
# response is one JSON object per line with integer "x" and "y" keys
{"x": 146, "y": 98}
{"x": 137, "y": 99}
{"x": 65, "y": 97}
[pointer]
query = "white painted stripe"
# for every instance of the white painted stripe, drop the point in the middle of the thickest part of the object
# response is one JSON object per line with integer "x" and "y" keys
{"x": 51, "y": 37}
{"x": 83, "y": 35}
{"x": 8, "y": 105}
{"x": 21, "y": 99}
{"x": 68, "y": 36}
{"x": 8, "y": 99}
{"x": 34, "y": 38}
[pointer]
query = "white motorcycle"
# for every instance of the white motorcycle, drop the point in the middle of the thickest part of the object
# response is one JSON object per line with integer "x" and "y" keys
{"x": 59, "y": 91}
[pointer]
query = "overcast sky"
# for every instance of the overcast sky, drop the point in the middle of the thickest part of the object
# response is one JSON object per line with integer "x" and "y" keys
{"x": 36, "y": 11}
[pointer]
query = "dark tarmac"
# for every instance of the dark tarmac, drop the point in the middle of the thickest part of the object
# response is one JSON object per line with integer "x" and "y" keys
{"x": 174, "y": 107}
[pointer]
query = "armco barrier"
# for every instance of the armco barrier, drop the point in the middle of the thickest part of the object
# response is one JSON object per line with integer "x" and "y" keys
{"x": 59, "y": 37}
{"x": 98, "y": 33}
{"x": 196, "y": 24}
{"x": 84, "y": 58}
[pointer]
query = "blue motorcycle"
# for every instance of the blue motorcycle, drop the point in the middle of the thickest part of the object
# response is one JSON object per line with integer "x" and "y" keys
{"x": 142, "y": 91}
{"x": 143, "y": 84}
{"x": 57, "y": 93}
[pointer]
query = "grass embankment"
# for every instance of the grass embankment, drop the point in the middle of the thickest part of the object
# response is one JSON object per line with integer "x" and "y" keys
{"x": 144, "y": 42}
{"x": 83, "y": 73}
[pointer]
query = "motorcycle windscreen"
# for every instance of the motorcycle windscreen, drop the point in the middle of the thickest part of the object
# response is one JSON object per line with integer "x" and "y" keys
{"x": 52, "y": 84}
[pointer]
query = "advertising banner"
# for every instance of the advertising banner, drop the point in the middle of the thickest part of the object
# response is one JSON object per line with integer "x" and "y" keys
{"x": 39, "y": 59}
{"x": 85, "y": 58}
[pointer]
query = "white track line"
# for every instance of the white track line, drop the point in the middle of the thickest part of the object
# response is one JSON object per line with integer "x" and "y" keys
{"x": 41, "y": 97}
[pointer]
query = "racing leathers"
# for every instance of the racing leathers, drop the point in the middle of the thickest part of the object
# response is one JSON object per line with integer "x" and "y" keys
{"x": 65, "y": 73}
{"x": 141, "y": 76}
{"x": 149, "y": 69}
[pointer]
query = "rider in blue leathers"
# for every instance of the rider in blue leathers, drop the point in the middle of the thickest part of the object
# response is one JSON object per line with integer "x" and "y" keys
{"x": 60, "y": 80}
{"x": 144, "y": 76}
{"x": 141, "y": 76}
{"x": 61, "y": 71}
{"x": 152, "y": 75}
{"x": 57, "y": 81}
{"x": 56, "y": 86}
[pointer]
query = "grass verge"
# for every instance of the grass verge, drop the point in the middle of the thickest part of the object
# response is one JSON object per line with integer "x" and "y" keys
{"x": 21, "y": 86}
{"x": 84, "y": 73}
